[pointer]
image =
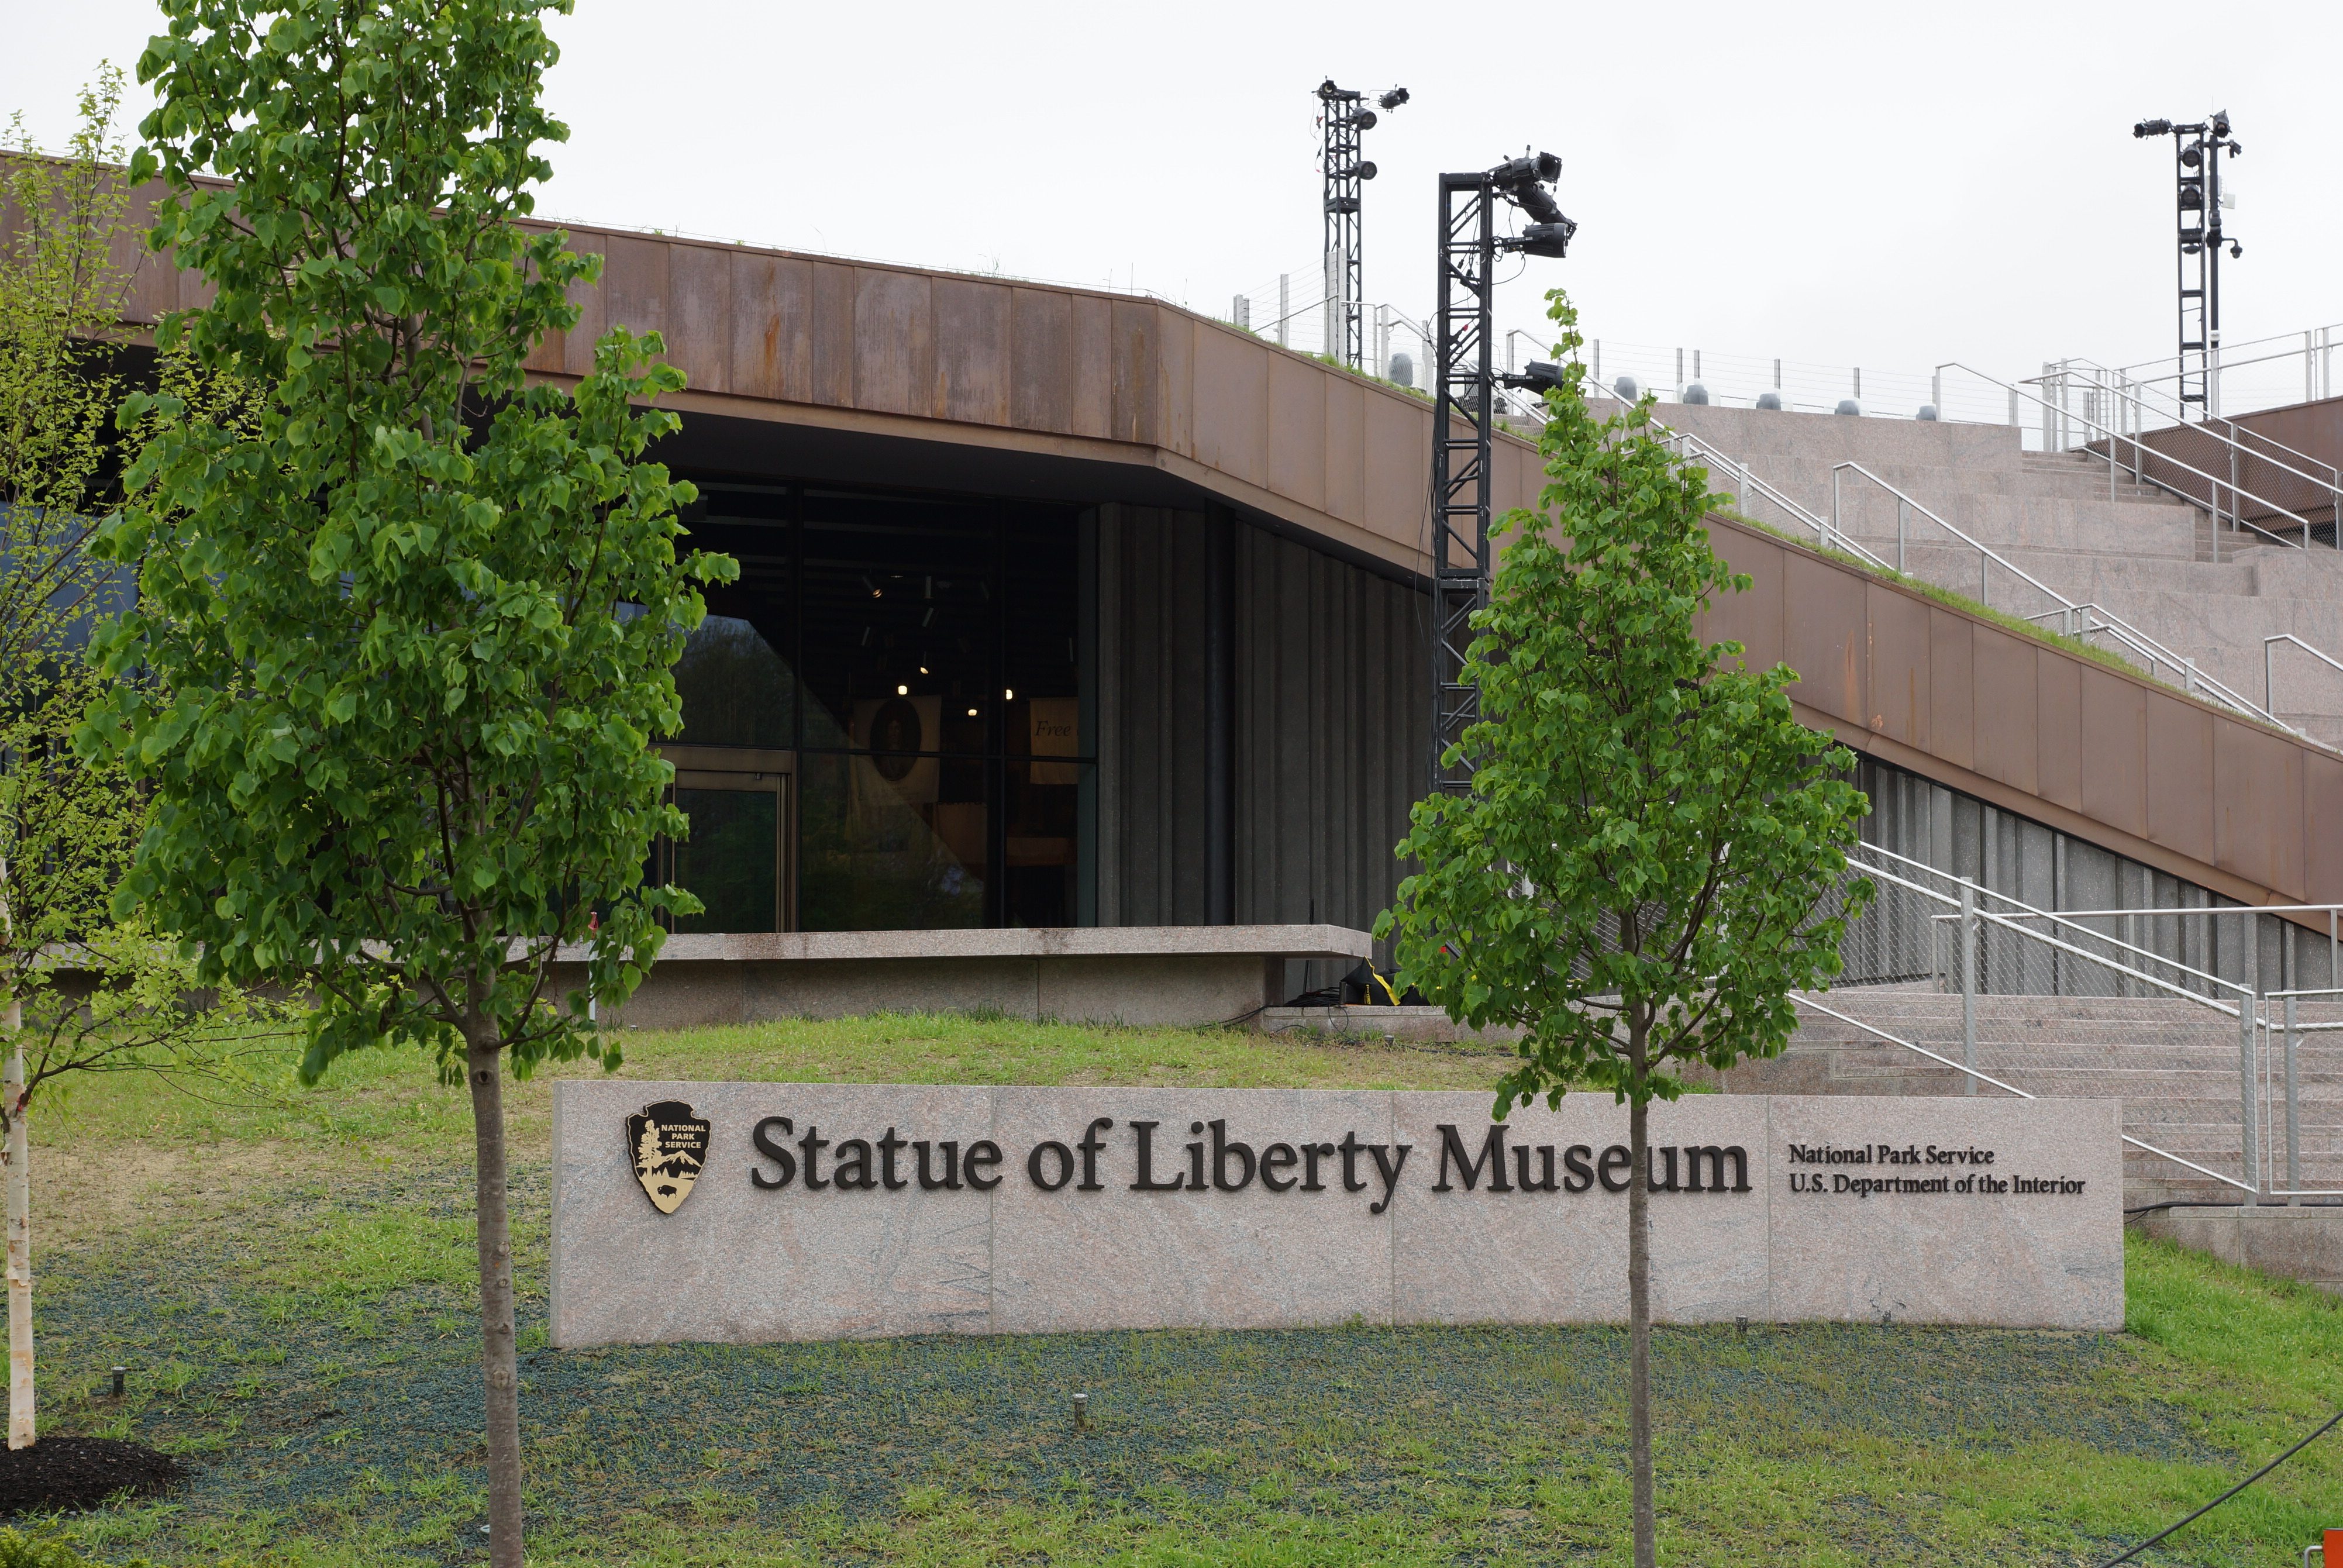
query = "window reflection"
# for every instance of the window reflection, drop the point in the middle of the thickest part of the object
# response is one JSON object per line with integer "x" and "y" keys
{"x": 919, "y": 656}
{"x": 736, "y": 689}
{"x": 890, "y": 854}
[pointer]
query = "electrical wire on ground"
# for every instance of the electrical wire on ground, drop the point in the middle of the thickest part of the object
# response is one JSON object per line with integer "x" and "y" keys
{"x": 2225, "y": 1497}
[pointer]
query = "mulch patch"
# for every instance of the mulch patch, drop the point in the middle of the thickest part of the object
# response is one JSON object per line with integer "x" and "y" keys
{"x": 74, "y": 1472}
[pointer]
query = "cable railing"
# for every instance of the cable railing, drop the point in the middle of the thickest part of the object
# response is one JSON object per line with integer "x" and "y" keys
{"x": 2317, "y": 346}
{"x": 2141, "y": 466}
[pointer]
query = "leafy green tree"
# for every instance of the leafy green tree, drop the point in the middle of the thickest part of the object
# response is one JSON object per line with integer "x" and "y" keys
{"x": 414, "y": 624}
{"x": 80, "y": 991}
{"x": 1652, "y": 854}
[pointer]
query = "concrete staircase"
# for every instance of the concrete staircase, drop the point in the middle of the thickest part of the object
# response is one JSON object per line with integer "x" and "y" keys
{"x": 2175, "y": 1066}
{"x": 2145, "y": 556}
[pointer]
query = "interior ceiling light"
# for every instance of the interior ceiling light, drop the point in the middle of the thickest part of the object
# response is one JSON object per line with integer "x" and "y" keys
{"x": 1009, "y": 696}
{"x": 972, "y": 713}
{"x": 902, "y": 691}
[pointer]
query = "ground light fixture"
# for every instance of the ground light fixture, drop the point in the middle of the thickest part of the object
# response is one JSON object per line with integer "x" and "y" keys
{"x": 1464, "y": 391}
{"x": 2197, "y": 151}
{"x": 1343, "y": 118}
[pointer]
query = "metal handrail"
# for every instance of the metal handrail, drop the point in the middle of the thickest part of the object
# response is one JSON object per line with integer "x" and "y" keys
{"x": 2097, "y": 619}
{"x": 2238, "y": 434}
{"x": 1802, "y": 999}
{"x": 2152, "y": 652}
{"x": 2139, "y": 463}
{"x": 2147, "y": 652}
{"x": 1831, "y": 536}
{"x": 1826, "y": 536}
{"x": 2269, "y": 648}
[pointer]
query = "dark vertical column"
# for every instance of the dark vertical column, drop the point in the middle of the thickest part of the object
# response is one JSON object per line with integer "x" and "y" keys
{"x": 1220, "y": 719}
{"x": 1086, "y": 674}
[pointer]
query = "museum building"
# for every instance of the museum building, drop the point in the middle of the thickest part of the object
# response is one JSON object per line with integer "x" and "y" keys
{"x": 1077, "y": 663}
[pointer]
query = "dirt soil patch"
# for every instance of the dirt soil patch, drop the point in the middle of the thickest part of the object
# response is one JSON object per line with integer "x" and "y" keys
{"x": 70, "y": 1473}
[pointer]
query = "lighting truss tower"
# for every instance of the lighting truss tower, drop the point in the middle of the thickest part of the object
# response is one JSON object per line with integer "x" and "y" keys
{"x": 2197, "y": 154}
{"x": 1463, "y": 392}
{"x": 1343, "y": 117}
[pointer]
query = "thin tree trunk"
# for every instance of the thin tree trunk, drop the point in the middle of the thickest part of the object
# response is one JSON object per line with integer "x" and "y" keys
{"x": 17, "y": 1158}
{"x": 1639, "y": 1301}
{"x": 484, "y": 1063}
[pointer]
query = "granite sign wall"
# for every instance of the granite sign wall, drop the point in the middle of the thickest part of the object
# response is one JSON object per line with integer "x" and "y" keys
{"x": 745, "y": 1212}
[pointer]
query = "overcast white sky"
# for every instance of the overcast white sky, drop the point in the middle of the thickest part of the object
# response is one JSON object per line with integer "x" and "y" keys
{"x": 1888, "y": 185}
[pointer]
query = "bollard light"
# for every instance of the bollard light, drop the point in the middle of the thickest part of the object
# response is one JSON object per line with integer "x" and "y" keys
{"x": 119, "y": 1373}
{"x": 1082, "y": 1412}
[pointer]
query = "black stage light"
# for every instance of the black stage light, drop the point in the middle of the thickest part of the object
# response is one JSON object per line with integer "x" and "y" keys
{"x": 1364, "y": 119}
{"x": 1539, "y": 203}
{"x": 1537, "y": 376}
{"x": 2192, "y": 158}
{"x": 1393, "y": 99}
{"x": 1547, "y": 238}
{"x": 1364, "y": 170}
{"x": 2144, "y": 128}
{"x": 2220, "y": 122}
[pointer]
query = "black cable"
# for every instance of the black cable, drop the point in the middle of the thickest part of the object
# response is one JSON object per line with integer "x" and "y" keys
{"x": 2225, "y": 1497}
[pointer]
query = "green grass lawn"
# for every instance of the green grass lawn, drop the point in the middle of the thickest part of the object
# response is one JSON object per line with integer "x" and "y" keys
{"x": 290, "y": 1280}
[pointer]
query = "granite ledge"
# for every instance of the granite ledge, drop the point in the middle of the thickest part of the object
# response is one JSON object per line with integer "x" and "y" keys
{"x": 1299, "y": 941}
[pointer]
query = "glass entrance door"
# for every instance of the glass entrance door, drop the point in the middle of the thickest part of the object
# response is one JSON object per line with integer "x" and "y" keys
{"x": 736, "y": 859}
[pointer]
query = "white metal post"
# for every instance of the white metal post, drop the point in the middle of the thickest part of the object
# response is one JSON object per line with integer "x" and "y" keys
{"x": 1968, "y": 986}
{"x": 1284, "y": 306}
{"x": 1901, "y": 509}
{"x": 2293, "y": 1116}
{"x": 2249, "y": 1104}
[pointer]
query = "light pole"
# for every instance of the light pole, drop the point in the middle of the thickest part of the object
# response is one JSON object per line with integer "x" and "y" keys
{"x": 1343, "y": 117}
{"x": 2197, "y": 153}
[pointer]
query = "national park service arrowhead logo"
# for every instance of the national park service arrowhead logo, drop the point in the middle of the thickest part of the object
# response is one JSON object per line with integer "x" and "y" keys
{"x": 669, "y": 1144}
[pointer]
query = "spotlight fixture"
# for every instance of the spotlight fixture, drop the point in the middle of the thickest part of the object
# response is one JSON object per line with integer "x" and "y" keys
{"x": 1551, "y": 239}
{"x": 1538, "y": 375}
{"x": 902, "y": 691}
{"x": 1393, "y": 99}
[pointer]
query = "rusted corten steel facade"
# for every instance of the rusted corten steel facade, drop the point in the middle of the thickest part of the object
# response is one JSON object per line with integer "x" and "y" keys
{"x": 2104, "y": 755}
{"x": 1033, "y": 369}
{"x": 1006, "y": 374}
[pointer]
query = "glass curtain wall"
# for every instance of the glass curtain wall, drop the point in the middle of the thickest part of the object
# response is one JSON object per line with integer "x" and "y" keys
{"x": 919, "y": 660}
